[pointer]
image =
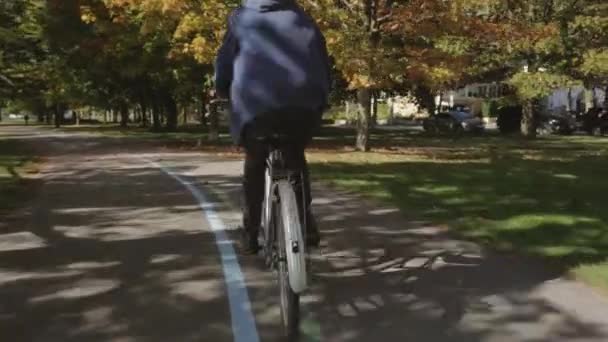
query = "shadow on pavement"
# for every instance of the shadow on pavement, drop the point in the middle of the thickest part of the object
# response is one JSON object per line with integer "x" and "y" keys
{"x": 383, "y": 276}
{"x": 116, "y": 251}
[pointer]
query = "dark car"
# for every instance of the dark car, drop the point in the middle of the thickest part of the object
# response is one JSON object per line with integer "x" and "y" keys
{"x": 557, "y": 124}
{"x": 595, "y": 121}
{"x": 454, "y": 122}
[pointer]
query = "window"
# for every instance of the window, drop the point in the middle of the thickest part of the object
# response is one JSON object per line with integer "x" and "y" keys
{"x": 483, "y": 91}
{"x": 492, "y": 91}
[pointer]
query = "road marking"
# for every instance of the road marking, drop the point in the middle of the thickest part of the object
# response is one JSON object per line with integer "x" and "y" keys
{"x": 243, "y": 322}
{"x": 310, "y": 326}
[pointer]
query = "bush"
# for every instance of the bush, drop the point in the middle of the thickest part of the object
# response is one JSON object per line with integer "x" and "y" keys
{"x": 489, "y": 108}
{"x": 509, "y": 119}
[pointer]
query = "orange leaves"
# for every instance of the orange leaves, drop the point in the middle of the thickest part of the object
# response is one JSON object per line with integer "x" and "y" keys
{"x": 190, "y": 28}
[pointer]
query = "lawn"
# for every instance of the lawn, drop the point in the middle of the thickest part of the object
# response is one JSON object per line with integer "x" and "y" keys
{"x": 16, "y": 162}
{"x": 184, "y": 136}
{"x": 545, "y": 197}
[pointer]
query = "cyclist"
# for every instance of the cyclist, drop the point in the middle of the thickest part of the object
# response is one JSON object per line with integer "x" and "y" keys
{"x": 274, "y": 68}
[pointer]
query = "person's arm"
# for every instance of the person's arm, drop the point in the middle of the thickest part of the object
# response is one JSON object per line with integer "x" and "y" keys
{"x": 224, "y": 63}
{"x": 326, "y": 62}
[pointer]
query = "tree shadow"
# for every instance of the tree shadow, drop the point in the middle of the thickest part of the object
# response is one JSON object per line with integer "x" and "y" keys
{"x": 114, "y": 250}
{"x": 118, "y": 251}
{"x": 549, "y": 208}
{"x": 382, "y": 274}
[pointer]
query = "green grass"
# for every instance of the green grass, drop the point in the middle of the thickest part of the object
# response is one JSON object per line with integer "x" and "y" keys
{"x": 16, "y": 161}
{"x": 14, "y": 122}
{"x": 594, "y": 274}
{"x": 192, "y": 136}
{"x": 545, "y": 198}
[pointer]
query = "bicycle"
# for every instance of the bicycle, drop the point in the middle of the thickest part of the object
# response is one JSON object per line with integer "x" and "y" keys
{"x": 283, "y": 234}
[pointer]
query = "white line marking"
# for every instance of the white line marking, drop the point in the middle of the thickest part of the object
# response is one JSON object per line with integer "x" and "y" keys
{"x": 243, "y": 322}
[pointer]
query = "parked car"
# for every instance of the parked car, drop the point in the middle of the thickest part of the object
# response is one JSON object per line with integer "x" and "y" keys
{"x": 557, "y": 124}
{"x": 454, "y": 122}
{"x": 595, "y": 121}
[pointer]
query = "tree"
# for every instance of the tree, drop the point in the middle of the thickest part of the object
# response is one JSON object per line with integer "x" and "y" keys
{"x": 562, "y": 47}
{"x": 354, "y": 38}
{"x": 421, "y": 46}
{"x": 23, "y": 54}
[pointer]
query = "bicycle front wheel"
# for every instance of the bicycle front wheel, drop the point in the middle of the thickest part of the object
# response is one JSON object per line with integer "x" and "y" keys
{"x": 292, "y": 261}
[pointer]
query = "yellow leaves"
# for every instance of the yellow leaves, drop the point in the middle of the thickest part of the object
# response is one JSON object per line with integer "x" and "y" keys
{"x": 434, "y": 76}
{"x": 189, "y": 24}
{"x": 87, "y": 16}
{"x": 357, "y": 81}
{"x": 534, "y": 85}
{"x": 595, "y": 63}
{"x": 191, "y": 28}
{"x": 201, "y": 49}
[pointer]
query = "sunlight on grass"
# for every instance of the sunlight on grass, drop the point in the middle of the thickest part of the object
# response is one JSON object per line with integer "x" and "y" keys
{"x": 593, "y": 274}
{"x": 16, "y": 162}
{"x": 437, "y": 190}
{"x": 544, "y": 197}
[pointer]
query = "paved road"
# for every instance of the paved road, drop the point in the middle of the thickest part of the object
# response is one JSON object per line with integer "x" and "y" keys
{"x": 114, "y": 249}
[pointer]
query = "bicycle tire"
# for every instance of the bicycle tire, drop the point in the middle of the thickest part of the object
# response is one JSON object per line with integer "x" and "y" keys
{"x": 293, "y": 238}
{"x": 267, "y": 240}
{"x": 291, "y": 267}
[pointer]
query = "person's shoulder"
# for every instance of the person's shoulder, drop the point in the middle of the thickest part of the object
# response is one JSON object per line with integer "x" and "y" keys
{"x": 305, "y": 15}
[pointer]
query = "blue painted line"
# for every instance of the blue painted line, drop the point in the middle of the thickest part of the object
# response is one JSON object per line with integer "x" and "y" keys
{"x": 243, "y": 322}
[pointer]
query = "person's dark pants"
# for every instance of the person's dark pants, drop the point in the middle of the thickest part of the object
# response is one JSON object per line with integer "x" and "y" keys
{"x": 300, "y": 132}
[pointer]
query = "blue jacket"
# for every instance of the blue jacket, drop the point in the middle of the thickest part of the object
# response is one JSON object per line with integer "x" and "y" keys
{"x": 273, "y": 57}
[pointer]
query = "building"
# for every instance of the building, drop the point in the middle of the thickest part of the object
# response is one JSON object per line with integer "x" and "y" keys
{"x": 473, "y": 95}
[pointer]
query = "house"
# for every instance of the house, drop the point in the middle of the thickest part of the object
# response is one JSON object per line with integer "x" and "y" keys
{"x": 473, "y": 95}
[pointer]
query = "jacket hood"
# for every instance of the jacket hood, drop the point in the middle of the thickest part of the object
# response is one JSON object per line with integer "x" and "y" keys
{"x": 268, "y": 5}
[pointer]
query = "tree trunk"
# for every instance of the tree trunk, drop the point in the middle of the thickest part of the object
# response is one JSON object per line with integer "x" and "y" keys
{"x": 171, "y": 111}
{"x": 203, "y": 109}
{"x": 144, "y": 114}
{"x": 76, "y": 118}
{"x": 156, "y": 124}
{"x": 58, "y": 116}
{"x": 0, "y": 114}
{"x": 363, "y": 119}
{"x": 588, "y": 99}
{"x": 185, "y": 115}
{"x": 347, "y": 110}
{"x": 391, "y": 111}
{"x": 594, "y": 98}
{"x": 528, "y": 119}
{"x": 124, "y": 115}
{"x": 606, "y": 98}
{"x": 374, "y": 109}
{"x": 569, "y": 105}
{"x": 214, "y": 120}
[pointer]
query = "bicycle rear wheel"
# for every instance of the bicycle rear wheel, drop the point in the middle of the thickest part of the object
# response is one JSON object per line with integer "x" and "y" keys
{"x": 292, "y": 263}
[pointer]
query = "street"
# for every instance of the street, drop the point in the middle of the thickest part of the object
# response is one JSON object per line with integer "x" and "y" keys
{"x": 124, "y": 243}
